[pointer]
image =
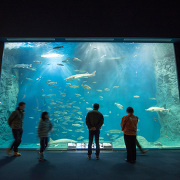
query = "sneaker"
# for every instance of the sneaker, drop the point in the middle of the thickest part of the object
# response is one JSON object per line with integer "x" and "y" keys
{"x": 8, "y": 150}
{"x": 144, "y": 151}
{"x": 89, "y": 156}
{"x": 17, "y": 154}
{"x": 97, "y": 157}
{"x": 42, "y": 159}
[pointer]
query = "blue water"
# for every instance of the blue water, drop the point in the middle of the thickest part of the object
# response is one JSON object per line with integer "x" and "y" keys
{"x": 127, "y": 65}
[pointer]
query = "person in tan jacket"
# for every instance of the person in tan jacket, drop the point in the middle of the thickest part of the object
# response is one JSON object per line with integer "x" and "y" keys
{"x": 129, "y": 127}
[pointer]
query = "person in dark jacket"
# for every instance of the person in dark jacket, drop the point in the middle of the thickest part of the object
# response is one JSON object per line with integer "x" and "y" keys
{"x": 44, "y": 127}
{"x": 15, "y": 121}
{"x": 94, "y": 121}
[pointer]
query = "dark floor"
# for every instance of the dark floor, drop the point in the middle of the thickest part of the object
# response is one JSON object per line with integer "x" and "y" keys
{"x": 156, "y": 164}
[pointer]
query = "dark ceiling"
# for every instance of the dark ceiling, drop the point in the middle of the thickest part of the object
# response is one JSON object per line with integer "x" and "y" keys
{"x": 82, "y": 18}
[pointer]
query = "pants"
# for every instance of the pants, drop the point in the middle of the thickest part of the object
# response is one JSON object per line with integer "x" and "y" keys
{"x": 91, "y": 134}
{"x": 17, "y": 133}
{"x": 139, "y": 146}
{"x": 130, "y": 141}
{"x": 43, "y": 143}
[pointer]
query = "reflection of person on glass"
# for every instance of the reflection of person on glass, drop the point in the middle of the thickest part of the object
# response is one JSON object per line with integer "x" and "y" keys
{"x": 94, "y": 121}
{"x": 129, "y": 127}
{"x": 15, "y": 121}
{"x": 140, "y": 148}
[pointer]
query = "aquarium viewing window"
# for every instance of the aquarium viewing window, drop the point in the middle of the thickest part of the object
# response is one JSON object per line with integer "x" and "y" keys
{"x": 67, "y": 78}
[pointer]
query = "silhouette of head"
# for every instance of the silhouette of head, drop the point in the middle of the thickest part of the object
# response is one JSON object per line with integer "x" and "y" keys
{"x": 96, "y": 106}
{"x": 21, "y": 105}
{"x": 130, "y": 110}
{"x": 44, "y": 115}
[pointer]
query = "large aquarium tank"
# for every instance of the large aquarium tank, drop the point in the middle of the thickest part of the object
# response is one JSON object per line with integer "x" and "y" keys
{"x": 66, "y": 79}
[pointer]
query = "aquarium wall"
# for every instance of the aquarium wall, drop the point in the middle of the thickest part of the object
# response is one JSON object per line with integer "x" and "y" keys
{"x": 66, "y": 79}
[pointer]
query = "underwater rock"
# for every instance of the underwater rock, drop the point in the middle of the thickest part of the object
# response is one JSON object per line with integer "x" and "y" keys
{"x": 167, "y": 94}
{"x": 9, "y": 88}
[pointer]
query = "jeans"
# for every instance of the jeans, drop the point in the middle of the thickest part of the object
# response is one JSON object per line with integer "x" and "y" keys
{"x": 91, "y": 135}
{"x": 43, "y": 143}
{"x": 130, "y": 141}
{"x": 17, "y": 133}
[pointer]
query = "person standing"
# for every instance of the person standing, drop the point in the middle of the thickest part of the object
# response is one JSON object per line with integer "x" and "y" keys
{"x": 129, "y": 127}
{"x": 94, "y": 121}
{"x": 15, "y": 121}
{"x": 44, "y": 127}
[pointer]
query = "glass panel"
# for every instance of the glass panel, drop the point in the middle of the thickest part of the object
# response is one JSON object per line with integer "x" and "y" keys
{"x": 115, "y": 75}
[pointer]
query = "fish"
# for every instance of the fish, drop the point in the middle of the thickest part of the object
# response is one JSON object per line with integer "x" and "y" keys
{"x": 77, "y": 95}
{"x": 103, "y": 56}
{"x": 59, "y": 64}
{"x": 31, "y": 133}
{"x": 87, "y": 103}
{"x": 112, "y": 131}
{"x": 77, "y": 125}
{"x": 76, "y": 107}
{"x": 136, "y": 96}
{"x": 59, "y": 141}
{"x": 50, "y": 83}
{"x": 109, "y": 112}
{"x": 135, "y": 55}
{"x": 74, "y": 86}
{"x": 115, "y": 86}
{"x": 68, "y": 84}
{"x": 119, "y": 105}
{"x": 152, "y": 109}
{"x": 23, "y": 66}
{"x": 29, "y": 79}
{"x": 101, "y": 97}
{"x": 47, "y": 81}
{"x": 80, "y": 137}
{"x": 106, "y": 115}
{"x": 65, "y": 61}
{"x": 99, "y": 90}
{"x": 77, "y": 76}
{"x": 37, "y": 62}
{"x": 86, "y": 86}
{"x": 155, "y": 119}
{"x": 115, "y": 58}
{"x": 58, "y": 47}
{"x": 55, "y": 86}
{"x": 89, "y": 109}
{"x": 152, "y": 98}
{"x": 63, "y": 94}
{"x": 31, "y": 69}
{"x": 76, "y": 59}
{"x": 31, "y": 117}
{"x": 80, "y": 113}
{"x": 50, "y": 95}
{"x": 106, "y": 89}
{"x": 94, "y": 82}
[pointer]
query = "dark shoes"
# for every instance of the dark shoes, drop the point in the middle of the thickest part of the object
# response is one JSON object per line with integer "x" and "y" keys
{"x": 89, "y": 157}
{"x": 132, "y": 162}
{"x": 97, "y": 157}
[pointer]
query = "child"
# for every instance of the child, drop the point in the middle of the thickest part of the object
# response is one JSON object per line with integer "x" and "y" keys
{"x": 44, "y": 127}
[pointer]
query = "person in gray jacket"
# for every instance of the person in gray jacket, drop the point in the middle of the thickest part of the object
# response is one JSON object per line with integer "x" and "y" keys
{"x": 15, "y": 121}
{"x": 94, "y": 121}
{"x": 44, "y": 127}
